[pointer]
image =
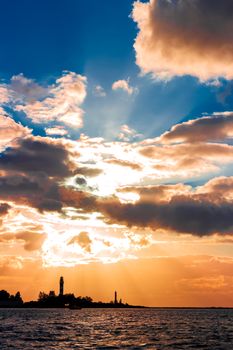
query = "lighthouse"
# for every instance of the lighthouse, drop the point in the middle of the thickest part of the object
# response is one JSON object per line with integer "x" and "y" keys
{"x": 115, "y": 298}
{"x": 61, "y": 290}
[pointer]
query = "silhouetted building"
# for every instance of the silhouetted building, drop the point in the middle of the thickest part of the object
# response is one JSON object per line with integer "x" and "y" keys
{"x": 61, "y": 292}
{"x": 52, "y": 294}
{"x": 115, "y": 299}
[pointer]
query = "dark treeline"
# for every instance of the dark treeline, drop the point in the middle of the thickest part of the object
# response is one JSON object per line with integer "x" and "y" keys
{"x": 52, "y": 300}
{"x": 8, "y": 300}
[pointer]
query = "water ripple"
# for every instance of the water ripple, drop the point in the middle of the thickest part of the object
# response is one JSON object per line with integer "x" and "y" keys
{"x": 107, "y": 329}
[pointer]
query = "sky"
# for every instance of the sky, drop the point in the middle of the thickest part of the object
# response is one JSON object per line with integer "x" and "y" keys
{"x": 116, "y": 152}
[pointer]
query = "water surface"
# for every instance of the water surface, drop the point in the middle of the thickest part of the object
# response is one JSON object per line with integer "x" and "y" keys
{"x": 46, "y": 329}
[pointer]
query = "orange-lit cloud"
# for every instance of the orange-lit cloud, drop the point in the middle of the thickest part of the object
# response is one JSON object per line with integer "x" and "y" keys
{"x": 221, "y": 187}
{"x": 61, "y": 104}
{"x": 10, "y": 262}
{"x": 57, "y": 130}
{"x": 36, "y": 170}
{"x": 217, "y": 127}
{"x": 191, "y": 159}
{"x": 4, "y": 94}
{"x": 128, "y": 134}
{"x": 109, "y": 201}
{"x": 184, "y": 37}
{"x": 83, "y": 240}
{"x": 10, "y": 131}
{"x": 31, "y": 239}
{"x": 123, "y": 85}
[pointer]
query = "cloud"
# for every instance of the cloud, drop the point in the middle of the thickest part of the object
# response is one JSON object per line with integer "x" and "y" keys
{"x": 27, "y": 90}
{"x": 156, "y": 193}
{"x": 199, "y": 213}
{"x": 80, "y": 176}
{"x": 41, "y": 171}
{"x": 56, "y": 130}
{"x": 139, "y": 241}
{"x": 185, "y": 37}
{"x": 32, "y": 155}
{"x": 8, "y": 263}
{"x": 82, "y": 239}
{"x": 124, "y": 163}
{"x": 62, "y": 103}
{"x": 210, "y": 283}
{"x": 180, "y": 151}
{"x": 10, "y": 131}
{"x": 221, "y": 187}
{"x": 4, "y": 94}
{"x": 148, "y": 162}
{"x": 21, "y": 90}
{"x": 191, "y": 159}
{"x": 123, "y": 85}
{"x": 32, "y": 172}
{"x": 217, "y": 127}
{"x": 128, "y": 134}
{"x": 88, "y": 171}
{"x": 81, "y": 200}
{"x": 32, "y": 240}
{"x": 4, "y": 208}
{"x": 99, "y": 91}
{"x": 40, "y": 193}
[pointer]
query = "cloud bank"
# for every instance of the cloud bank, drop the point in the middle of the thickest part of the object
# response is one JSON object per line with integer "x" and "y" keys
{"x": 100, "y": 200}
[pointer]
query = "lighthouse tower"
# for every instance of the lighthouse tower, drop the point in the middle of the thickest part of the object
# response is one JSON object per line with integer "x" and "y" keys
{"x": 115, "y": 298}
{"x": 61, "y": 290}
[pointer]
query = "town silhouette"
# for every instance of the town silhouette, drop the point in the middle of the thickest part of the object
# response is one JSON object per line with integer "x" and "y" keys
{"x": 61, "y": 300}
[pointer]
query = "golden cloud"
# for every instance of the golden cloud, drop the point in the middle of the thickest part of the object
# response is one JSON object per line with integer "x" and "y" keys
{"x": 61, "y": 104}
{"x": 218, "y": 127}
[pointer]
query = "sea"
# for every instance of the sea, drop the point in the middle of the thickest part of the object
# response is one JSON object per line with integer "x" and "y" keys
{"x": 65, "y": 329}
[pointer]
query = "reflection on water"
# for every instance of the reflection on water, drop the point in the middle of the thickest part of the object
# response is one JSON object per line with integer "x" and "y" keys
{"x": 63, "y": 329}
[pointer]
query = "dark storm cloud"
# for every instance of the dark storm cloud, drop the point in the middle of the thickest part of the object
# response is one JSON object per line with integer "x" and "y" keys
{"x": 41, "y": 194}
{"x": 37, "y": 155}
{"x": 4, "y": 208}
{"x": 182, "y": 214}
{"x": 78, "y": 199}
{"x": 32, "y": 170}
{"x": 33, "y": 173}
